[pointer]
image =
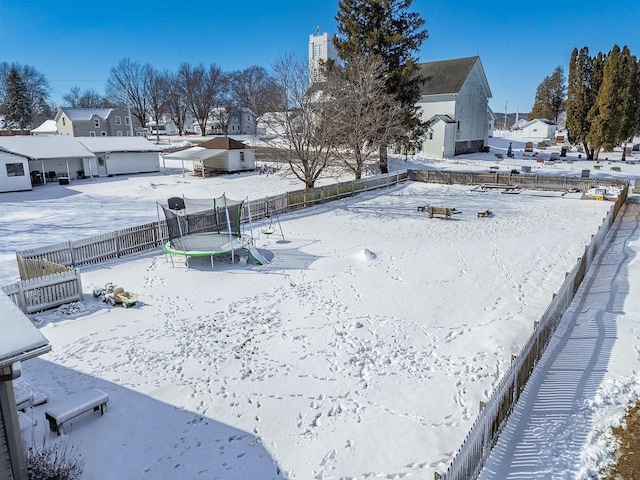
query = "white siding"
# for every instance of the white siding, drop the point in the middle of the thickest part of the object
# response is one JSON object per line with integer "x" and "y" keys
{"x": 14, "y": 183}
{"x": 133, "y": 162}
{"x": 471, "y": 108}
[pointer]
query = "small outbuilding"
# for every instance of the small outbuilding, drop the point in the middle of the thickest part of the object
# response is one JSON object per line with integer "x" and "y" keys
{"x": 539, "y": 128}
{"x": 218, "y": 155}
{"x": 123, "y": 155}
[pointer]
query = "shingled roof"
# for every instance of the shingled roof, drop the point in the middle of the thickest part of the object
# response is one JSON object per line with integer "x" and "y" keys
{"x": 223, "y": 143}
{"x": 445, "y": 76}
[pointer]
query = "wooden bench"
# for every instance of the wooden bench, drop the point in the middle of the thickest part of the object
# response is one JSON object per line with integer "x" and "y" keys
{"x": 486, "y": 213}
{"x": 437, "y": 210}
{"x": 66, "y": 410}
{"x": 597, "y": 167}
{"x": 615, "y": 169}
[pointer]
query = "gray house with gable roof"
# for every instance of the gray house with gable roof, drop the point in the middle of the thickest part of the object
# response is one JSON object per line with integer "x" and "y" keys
{"x": 454, "y": 102}
{"x": 96, "y": 122}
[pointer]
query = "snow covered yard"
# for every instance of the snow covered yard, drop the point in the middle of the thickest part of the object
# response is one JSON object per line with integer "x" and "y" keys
{"x": 361, "y": 351}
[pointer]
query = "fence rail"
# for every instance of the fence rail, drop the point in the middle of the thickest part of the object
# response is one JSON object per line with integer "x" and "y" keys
{"x": 485, "y": 431}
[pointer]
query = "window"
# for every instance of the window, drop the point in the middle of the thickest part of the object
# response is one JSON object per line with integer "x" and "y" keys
{"x": 64, "y": 121}
{"x": 128, "y": 134}
{"x": 92, "y": 134}
{"x": 119, "y": 133}
{"x": 242, "y": 156}
{"x": 430, "y": 136}
{"x": 103, "y": 133}
{"x": 15, "y": 170}
{"x": 96, "y": 122}
{"x": 101, "y": 161}
{"x": 118, "y": 121}
{"x": 127, "y": 121}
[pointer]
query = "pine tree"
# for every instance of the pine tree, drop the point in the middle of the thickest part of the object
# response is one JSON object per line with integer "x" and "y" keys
{"x": 387, "y": 29}
{"x": 550, "y": 100}
{"x": 17, "y": 102}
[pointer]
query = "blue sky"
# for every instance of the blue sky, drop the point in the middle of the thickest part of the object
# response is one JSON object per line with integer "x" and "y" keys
{"x": 77, "y": 42}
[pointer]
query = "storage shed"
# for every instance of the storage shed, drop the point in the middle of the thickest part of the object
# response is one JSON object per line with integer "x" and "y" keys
{"x": 220, "y": 154}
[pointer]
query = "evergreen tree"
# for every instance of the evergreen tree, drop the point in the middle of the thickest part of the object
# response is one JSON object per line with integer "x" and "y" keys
{"x": 606, "y": 114}
{"x": 386, "y": 28}
{"x": 550, "y": 100}
{"x": 580, "y": 97}
{"x": 17, "y": 103}
{"x": 630, "y": 120}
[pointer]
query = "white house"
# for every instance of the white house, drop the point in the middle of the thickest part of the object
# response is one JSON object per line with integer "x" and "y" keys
{"x": 220, "y": 154}
{"x": 539, "y": 128}
{"x": 122, "y": 155}
{"x": 14, "y": 172}
{"x": 51, "y": 156}
{"x": 455, "y": 103}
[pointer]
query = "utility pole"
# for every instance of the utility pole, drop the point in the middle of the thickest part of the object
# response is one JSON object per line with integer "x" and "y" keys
{"x": 505, "y": 115}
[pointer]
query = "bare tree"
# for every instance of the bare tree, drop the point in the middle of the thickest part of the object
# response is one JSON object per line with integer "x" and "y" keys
{"x": 76, "y": 98}
{"x": 203, "y": 88}
{"x": 128, "y": 86}
{"x": 305, "y": 125}
{"x": 366, "y": 115}
{"x": 254, "y": 89}
{"x": 157, "y": 98}
{"x": 175, "y": 100}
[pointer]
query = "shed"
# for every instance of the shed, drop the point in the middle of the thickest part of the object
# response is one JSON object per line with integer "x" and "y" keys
{"x": 48, "y": 127}
{"x": 539, "y": 128}
{"x": 220, "y": 154}
{"x": 123, "y": 155}
{"x": 20, "y": 341}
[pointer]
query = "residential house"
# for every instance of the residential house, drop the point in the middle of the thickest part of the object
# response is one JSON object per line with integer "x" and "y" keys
{"x": 239, "y": 122}
{"x": 123, "y": 155}
{"x": 96, "y": 122}
{"x": 539, "y": 128}
{"x": 454, "y": 102}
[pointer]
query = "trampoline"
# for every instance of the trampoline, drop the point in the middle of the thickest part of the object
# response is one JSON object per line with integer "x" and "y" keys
{"x": 205, "y": 228}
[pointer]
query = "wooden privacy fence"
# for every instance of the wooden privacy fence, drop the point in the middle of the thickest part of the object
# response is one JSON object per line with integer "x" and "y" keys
{"x": 483, "y": 436}
{"x": 46, "y": 292}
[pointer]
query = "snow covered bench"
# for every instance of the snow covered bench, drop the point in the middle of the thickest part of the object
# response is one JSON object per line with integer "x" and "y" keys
{"x": 435, "y": 210}
{"x": 64, "y": 411}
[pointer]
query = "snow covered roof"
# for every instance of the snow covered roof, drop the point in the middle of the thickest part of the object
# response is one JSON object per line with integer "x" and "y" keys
{"x": 41, "y": 147}
{"x": 194, "y": 154}
{"x": 118, "y": 144}
{"x": 80, "y": 114}
{"x": 540, "y": 120}
{"x": 46, "y": 127}
{"x": 20, "y": 339}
